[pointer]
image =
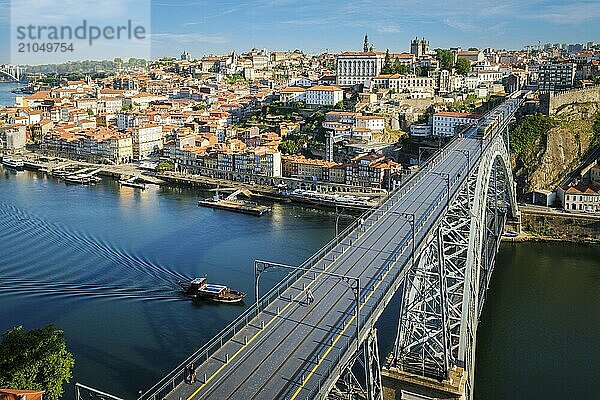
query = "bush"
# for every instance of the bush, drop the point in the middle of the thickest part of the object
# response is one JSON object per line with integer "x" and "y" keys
{"x": 528, "y": 134}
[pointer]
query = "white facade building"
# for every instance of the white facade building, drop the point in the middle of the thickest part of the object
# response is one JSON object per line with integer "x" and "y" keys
{"x": 358, "y": 68}
{"x": 371, "y": 122}
{"x": 146, "y": 140}
{"x": 324, "y": 95}
{"x": 444, "y": 123}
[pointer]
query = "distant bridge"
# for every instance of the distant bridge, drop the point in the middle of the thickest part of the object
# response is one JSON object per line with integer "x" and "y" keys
{"x": 11, "y": 72}
{"x": 433, "y": 240}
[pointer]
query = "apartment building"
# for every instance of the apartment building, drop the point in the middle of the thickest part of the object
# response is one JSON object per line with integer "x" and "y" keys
{"x": 556, "y": 77}
{"x": 581, "y": 197}
{"x": 300, "y": 167}
{"x": 147, "y": 139}
{"x": 13, "y": 137}
{"x": 320, "y": 95}
{"x": 97, "y": 145}
{"x": 371, "y": 170}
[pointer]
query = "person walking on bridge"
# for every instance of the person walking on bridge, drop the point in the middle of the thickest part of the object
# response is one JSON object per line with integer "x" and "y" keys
{"x": 192, "y": 373}
{"x": 309, "y": 297}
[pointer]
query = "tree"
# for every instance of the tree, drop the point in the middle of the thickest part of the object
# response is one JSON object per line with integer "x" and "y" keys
{"x": 473, "y": 49}
{"x": 387, "y": 63}
{"x": 199, "y": 107}
{"x": 288, "y": 147}
{"x": 164, "y": 166}
{"x": 446, "y": 58}
{"x": 463, "y": 66}
{"x": 89, "y": 112}
{"x": 35, "y": 360}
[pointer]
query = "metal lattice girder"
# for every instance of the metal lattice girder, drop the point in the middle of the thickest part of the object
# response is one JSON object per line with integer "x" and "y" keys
{"x": 373, "y": 367}
{"x": 349, "y": 386}
{"x": 494, "y": 182}
{"x": 443, "y": 295}
{"x": 421, "y": 346}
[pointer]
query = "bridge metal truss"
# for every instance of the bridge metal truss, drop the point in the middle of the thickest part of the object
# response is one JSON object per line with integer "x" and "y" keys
{"x": 368, "y": 386}
{"x": 444, "y": 291}
{"x": 12, "y": 72}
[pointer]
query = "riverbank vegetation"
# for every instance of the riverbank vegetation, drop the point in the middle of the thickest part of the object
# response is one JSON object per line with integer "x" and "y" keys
{"x": 35, "y": 360}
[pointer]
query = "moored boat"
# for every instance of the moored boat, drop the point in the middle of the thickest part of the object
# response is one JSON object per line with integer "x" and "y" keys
{"x": 199, "y": 288}
{"x": 14, "y": 163}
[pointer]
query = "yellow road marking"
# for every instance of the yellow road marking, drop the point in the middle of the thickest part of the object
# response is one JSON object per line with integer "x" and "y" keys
{"x": 209, "y": 379}
{"x": 273, "y": 319}
{"x": 312, "y": 372}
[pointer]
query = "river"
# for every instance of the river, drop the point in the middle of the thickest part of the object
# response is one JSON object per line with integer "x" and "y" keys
{"x": 7, "y": 98}
{"x": 101, "y": 263}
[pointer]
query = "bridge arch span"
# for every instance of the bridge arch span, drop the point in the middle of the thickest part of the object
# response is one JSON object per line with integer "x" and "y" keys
{"x": 444, "y": 292}
{"x": 7, "y": 75}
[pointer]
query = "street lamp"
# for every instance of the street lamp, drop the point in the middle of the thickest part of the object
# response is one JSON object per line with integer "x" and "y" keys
{"x": 466, "y": 154}
{"x": 353, "y": 283}
{"x": 446, "y": 177}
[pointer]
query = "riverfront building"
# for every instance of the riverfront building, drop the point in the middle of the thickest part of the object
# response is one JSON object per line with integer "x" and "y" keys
{"x": 100, "y": 145}
{"x": 12, "y": 137}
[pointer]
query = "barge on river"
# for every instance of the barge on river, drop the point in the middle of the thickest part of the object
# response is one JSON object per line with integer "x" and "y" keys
{"x": 199, "y": 288}
{"x": 240, "y": 206}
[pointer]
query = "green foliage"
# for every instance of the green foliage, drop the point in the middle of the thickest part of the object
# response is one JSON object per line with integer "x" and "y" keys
{"x": 199, "y": 107}
{"x": 127, "y": 107}
{"x": 164, "y": 166}
{"x": 288, "y": 147}
{"x": 463, "y": 66}
{"x": 387, "y": 63}
{"x": 528, "y": 135}
{"x": 596, "y": 130}
{"x": 89, "y": 112}
{"x": 473, "y": 49}
{"x": 446, "y": 58}
{"x": 35, "y": 360}
{"x": 293, "y": 143}
{"x": 234, "y": 78}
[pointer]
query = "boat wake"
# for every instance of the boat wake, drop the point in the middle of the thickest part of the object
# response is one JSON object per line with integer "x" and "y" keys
{"x": 30, "y": 240}
{"x": 30, "y": 287}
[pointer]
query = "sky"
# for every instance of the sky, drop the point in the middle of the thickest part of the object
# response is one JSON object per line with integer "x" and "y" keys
{"x": 216, "y": 27}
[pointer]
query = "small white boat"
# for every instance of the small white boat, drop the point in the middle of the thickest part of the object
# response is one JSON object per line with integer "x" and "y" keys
{"x": 13, "y": 163}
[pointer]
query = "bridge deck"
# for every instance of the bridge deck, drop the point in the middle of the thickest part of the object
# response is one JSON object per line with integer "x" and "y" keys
{"x": 296, "y": 346}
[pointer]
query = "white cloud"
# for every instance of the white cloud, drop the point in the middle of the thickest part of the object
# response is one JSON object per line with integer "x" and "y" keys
{"x": 387, "y": 29}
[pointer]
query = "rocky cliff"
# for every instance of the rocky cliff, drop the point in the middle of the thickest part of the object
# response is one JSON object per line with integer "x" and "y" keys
{"x": 551, "y": 155}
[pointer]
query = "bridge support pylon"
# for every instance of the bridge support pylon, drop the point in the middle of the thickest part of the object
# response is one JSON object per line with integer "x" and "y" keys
{"x": 402, "y": 385}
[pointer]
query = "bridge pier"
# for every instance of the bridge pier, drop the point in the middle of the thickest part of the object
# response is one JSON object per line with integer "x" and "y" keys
{"x": 402, "y": 385}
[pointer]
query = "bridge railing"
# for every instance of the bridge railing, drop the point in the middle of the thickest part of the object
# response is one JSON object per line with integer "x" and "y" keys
{"x": 178, "y": 374}
{"x": 348, "y": 347}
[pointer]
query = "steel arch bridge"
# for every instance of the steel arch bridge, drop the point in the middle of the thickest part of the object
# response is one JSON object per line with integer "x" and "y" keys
{"x": 11, "y": 72}
{"x": 433, "y": 240}
{"x": 444, "y": 292}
